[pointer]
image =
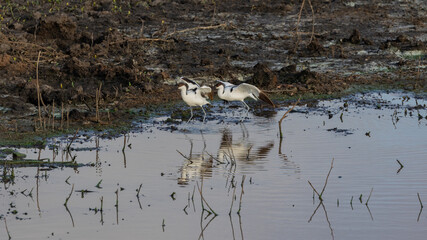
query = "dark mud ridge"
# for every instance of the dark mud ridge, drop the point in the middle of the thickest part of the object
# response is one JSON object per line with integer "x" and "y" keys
{"x": 97, "y": 59}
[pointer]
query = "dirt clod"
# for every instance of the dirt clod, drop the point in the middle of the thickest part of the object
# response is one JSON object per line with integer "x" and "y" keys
{"x": 263, "y": 76}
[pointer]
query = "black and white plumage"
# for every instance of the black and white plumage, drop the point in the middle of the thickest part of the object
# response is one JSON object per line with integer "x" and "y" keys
{"x": 194, "y": 95}
{"x": 231, "y": 92}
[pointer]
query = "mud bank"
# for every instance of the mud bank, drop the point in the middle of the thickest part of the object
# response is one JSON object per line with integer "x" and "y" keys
{"x": 92, "y": 61}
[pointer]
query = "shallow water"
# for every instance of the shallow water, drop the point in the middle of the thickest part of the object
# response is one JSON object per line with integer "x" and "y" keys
{"x": 365, "y": 142}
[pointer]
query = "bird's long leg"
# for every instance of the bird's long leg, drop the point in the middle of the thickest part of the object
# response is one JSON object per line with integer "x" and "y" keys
{"x": 191, "y": 109}
{"x": 204, "y": 116}
{"x": 247, "y": 110}
{"x": 245, "y": 132}
{"x": 225, "y": 108}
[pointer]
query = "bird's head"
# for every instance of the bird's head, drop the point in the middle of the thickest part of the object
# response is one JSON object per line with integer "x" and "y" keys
{"x": 219, "y": 84}
{"x": 182, "y": 85}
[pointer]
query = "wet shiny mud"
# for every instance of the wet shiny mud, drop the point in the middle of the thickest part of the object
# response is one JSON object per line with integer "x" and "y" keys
{"x": 229, "y": 180}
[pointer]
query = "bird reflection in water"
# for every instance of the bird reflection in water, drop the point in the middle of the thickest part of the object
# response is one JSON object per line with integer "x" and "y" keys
{"x": 196, "y": 165}
{"x": 241, "y": 150}
{"x": 199, "y": 164}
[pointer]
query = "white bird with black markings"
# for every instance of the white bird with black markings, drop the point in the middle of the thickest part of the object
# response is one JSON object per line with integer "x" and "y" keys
{"x": 194, "y": 95}
{"x": 231, "y": 92}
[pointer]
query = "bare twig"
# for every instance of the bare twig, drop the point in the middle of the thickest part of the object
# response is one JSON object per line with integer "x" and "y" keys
{"x": 142, "y": 40}
{"x": 72, "y": 140}
{"x": 369, "y": 197}
{"x": 315, "y": 190}
{"x": 205, "y": 227}
{"x": 204, "y": 200}
{"x": 297, "y": 33}
{"x": 124, "y": 143}
{"x": 419, "y": 199}
{"x": 197, "y": 28}
{"x": 326, "y": 182}
{"x": 7, "y": 230}
{"x": 117, "y": 206}
{"x": 38, "y": 88}
{"x": 33, "y": 45}
{"x": 241, "y": 193}
{"x": 314, "y": 212}
{"x": 326, "y": 216}
{"x": 327, "y": 177}
{"x": 401, "y": 165}
{"x": 327, "y": 219}
{"x": 139, "y": 190}
{"x": 214, "y": 158}
{"x": 296, "y": 27}
{"x": 284, "y": 116}
{"x": 184, "y": 156}
{"x": 69, "y": 196}
{"x": 102, "y": 203}
{"x": 232, "y": 200}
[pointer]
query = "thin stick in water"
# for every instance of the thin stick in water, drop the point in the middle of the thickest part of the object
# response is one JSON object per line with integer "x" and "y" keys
{"x": 284, "y": 116}
{"x": 124, "y": 142}
{"x": 401, "y": 165}
{"x": 315, "y": 190}
{"x": 419, "y": 199}
{"x": 327, "y": 177}
{"x": 102, "y": 210}
{"x": 7, "y": 230}
{"x": 72, "y": 140}
{"x": 139, "y": 190}
{"x": 241, "y": 193}
{"x": 204, "y": 200}
{"x": 232, "y": 200}
{"x": 369, "y": 197}
{"x": 69, "y": 196}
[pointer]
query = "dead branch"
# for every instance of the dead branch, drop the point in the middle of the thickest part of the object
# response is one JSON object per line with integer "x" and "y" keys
{"x": 327, "y": 177}
{"x": 197, "y": 28}
{"x": 142, "y": 40}
{"x": 298, "y": 22}
{"x": 38, "y": 88}
{"x": 284, "y": 116}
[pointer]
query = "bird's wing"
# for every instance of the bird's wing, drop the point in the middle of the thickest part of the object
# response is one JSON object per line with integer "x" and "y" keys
{"x": 227, "y": 84}
{"x": 247, "y": 88}
{"x": 205, "y": 89}
{"x": 206, "y": 92}
{"x": 191, "y": 84}
{"x": 254, "y": 91}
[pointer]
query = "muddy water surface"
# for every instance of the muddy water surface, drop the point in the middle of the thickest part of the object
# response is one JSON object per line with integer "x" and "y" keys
{"x": 365, "y": 138}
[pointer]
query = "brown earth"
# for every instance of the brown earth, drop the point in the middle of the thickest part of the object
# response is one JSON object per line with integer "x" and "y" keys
{"x": 134, "y": 50}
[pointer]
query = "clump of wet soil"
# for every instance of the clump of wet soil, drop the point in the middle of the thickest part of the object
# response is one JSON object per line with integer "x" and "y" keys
{"x": 117, "y": 55}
